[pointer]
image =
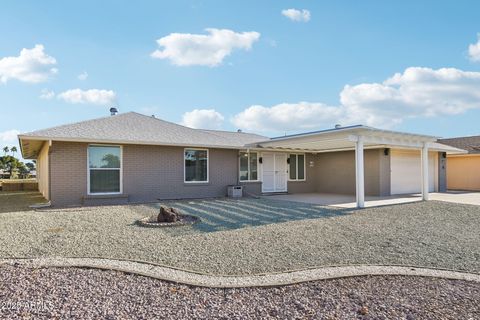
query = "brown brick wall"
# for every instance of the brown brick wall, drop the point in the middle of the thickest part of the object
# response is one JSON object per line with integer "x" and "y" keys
{"x": 154, "y": 172}
{"x": 68, "y": 173}
{"x": 149, "y": 173}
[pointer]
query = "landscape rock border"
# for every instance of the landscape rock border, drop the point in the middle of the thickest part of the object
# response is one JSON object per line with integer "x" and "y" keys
{"x": 265, "y": 280}
{"x": 186, "y": 221}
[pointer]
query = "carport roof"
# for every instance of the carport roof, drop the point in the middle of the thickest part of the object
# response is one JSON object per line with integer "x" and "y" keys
{"x": 344, "y": 138}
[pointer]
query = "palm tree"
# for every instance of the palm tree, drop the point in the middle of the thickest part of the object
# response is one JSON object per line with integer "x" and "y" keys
{"x": 13, "y": 149}
{"x": 6, "y": 150}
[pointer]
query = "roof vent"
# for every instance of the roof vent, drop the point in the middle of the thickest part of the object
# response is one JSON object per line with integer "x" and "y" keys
{"x": 338, "y": 126}
{"x": 113, "y": 111}
{"x": 239, "y": 130}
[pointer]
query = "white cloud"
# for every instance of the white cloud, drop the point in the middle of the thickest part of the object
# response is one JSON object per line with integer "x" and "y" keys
{"x": 92, "y": 96}
{"x": 417, "y": 92}
{"x": 47, "y": 94}
{"x": 414, "y": 93}
{"x": 9, "y": 136}
{"x": 203, "y": 119}
{"x": 297, "y": 15}
{"x": 286, "y": 117}
{"x": 83, "y": 76}
{"x": 32, "y": 65}
{"x": 474, "y": 50}
{"x": 185, "y": 49}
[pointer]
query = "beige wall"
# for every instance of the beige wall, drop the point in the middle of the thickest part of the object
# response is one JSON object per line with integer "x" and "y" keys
{"x": 336, "y": 172}
{"x": 42, "y": 171}
{"x": 310, "y": 183}
{"x": 463, "y": 172}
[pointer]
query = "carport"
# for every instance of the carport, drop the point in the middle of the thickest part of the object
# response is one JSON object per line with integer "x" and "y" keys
{"x": 360, "y": 138}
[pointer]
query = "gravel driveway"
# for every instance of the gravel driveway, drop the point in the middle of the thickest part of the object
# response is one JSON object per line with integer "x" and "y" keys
{"x": 428, "y": 234}
{"x": 93, "y": 294}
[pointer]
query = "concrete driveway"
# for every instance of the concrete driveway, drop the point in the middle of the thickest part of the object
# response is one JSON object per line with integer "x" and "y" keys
{"x": 465, "y": 197}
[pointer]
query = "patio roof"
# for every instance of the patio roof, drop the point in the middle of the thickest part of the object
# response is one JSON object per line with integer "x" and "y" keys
{"x": 345, "y": 138}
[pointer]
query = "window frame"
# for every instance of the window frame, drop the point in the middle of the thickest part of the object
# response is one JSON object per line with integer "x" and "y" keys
{"x": 89, "y": 169}
{"x": 248, "y": 168}
{"x": 185, "y": 167}
{"x": 296, "y": 167}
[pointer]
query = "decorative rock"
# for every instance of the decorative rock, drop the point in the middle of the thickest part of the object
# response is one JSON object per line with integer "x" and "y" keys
{"x": 168, "y": 215}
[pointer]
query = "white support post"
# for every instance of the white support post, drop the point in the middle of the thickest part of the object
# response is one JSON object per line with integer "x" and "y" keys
{"x": 359, "y": 170}
{"x": 425, "y": 178}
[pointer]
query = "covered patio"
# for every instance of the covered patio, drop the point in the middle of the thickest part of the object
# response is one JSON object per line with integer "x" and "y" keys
{"x": 358, "y": 138}
{"x": 344, "y": 200}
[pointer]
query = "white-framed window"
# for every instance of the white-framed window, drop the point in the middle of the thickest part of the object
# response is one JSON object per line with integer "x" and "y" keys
{"x": 296, "y": 167}
{"x": 248, "y": 166}
{"x": 104, "y": 169}
{"x": 195, "y": 165}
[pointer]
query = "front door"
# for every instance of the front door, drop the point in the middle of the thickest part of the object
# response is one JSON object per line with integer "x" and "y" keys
{"x": 274, "y": 172}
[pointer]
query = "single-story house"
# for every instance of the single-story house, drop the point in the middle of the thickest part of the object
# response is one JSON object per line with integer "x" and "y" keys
{"x": 464, "y": 169}
{"x": 131, "y": 157}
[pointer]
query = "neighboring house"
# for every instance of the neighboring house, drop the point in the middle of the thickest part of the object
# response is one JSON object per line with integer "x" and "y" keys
{"x": 464, "y": 169}
{"x": 136, "y": 158}
{"x": 4, "y": 174}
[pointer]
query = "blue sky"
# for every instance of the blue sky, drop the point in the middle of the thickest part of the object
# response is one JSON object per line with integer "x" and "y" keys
{"x": 259, "y": 69}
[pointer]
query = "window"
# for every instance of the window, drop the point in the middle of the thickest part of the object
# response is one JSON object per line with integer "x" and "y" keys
{"x": 104, "y": 169}
{"x": 248, "y": 166}
{"x": 196, "y": 165}
{"x": 297, "y": 166}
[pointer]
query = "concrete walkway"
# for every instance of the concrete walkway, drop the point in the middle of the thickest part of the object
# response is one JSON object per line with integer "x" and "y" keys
{"x": 214, "y": 281}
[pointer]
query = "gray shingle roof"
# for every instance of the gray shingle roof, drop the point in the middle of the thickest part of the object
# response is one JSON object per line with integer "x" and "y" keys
{"x": 133, "y": 127}
{"x": 471, "y": 144}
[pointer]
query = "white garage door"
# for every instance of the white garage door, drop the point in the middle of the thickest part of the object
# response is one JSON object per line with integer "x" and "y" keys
{"x": 406, "y": 171}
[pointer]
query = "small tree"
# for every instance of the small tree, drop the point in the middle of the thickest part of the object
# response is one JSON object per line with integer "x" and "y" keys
{"x": 5, "y": 151}
{"x": 30, "y": 166}
{"x": 13, "y": 149}
{"x": 23, "y": 170}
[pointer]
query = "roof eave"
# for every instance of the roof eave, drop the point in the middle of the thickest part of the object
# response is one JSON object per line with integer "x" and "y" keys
{"x": 110, "y": 141}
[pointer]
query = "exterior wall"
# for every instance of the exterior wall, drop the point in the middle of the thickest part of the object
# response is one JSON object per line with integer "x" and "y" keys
{"x": 43, "y": 171}
{"x": 149, "y": 173}
{"x": 252, "y": 188}
{"x": 310, "y": 183}
{"x": 336, "y": 172}
{"x": 68, "y": 173}
{"x": 385, "y": 176}
{"x": 463, "y": 172}
{"x": 156, "y": 172}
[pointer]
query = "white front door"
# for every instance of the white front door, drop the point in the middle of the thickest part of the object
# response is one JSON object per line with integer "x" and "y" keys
{"x": 274, "y": 172}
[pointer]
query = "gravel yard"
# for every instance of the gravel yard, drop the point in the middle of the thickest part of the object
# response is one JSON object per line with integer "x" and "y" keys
{"x": 91, "y": 294}
{"x": 429, "y": 234}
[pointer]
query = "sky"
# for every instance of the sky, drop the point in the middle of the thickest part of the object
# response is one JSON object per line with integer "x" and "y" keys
{"x": 270, "y": 67}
